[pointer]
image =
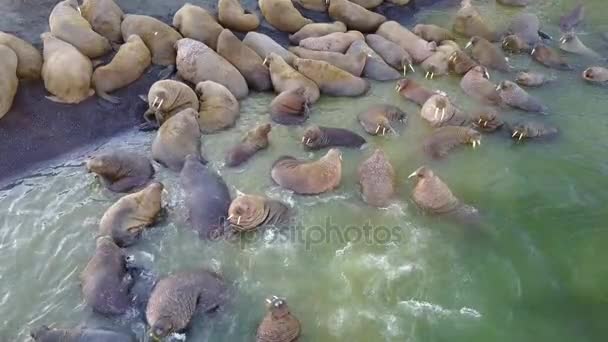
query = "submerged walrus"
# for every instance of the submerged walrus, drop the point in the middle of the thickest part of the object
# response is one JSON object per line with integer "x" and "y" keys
{"x": 159, "y": 37}
{"x": 476, "y": 83}
{"x": 570, "y": 21}
{"x": 444, "y": 139}
{"x": 279, "y": 325}
{"x": 219, "y": 109}
{"x": 393, "y": 54}
{"x": 284, "y": 78}
{"x": 197, "y": 23}
{"x": 375, "y": 67}
{"x": 247, "y": 212}
{"x": 532, "y": 129}
{"x": 318, "y": 137}
{"x": 247, "y": 61}
{"x": 331, "y": 80}
{"x": 316, "y": 30}
{"x": 264, "y": 46}
{"x": 282, "y": 15}
{"x": 417, "y": 47}
{"x": 105, "y": 17}
{"x": 487, "y": 54}
{"x": 596, "y": 74}
{"x": 570, "y": 42}
{"x": 439, "y": 110}
{"x": 433, "y": 33}
{"x": 549, "y": 57}
{"x": 532, "y": 79}
{"x": 309, "y": 177}
{"x": 354, "y": 16}
{"x": 377, "y": 119}
{"x": 121, "y": 171}
{"x": 29, "y": 59}
{"x": 290, "y": 107}
{"x": 460, "y": 63}
{"x": 234, "y": 17}
{"x": 413, "y": 91}
{"x": 167, "y": 98}
{"x": 46, "y": 334}
{"x": 351, "y": 62}
{"x": 469, "y": 23}
{"x": 8, "y": 78}
{"x": 177, "y": 138}
{"x": 255, "y": 140}
{"x": 377, "y": 179}
{"x": 334, "y": 42}
{"x": 514, "y": 96}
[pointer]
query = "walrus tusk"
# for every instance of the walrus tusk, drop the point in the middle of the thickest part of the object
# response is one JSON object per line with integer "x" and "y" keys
{"x": 229, "y": 217}
{"x": 414, "y": 174}
{"x": 469, "y": 44}
{"x": 485, "y": 123}
{"x": 442, "y": 114}
{"x": 514, "y": 134}
{"x": 154, "y": 102}
{"x": 303, "y": 139}
{"x": 268, "y": 300}
{"x": 377, "y": 129}
{"x": 473, "y": 143}
{"x": 238, "y": 221}
{"x": 411, "y": 67}
{"x": 486, "y": 74}
{"x": 79, "y": 11}
{"x": 432, "y": 75}
{"x": 498, "y": 87}
{"x": 265, "y": 61}
{"x": 521, "y": 135}
{"x": 479, "y": 142}
{"x": 308, "y": 141}
{"x": 404, "y": 70}
{"x": 479, "y": 122}
{"x": 383, "y": 131}
{"x": 160, "y": 103}
{"x": 532, "y": 52}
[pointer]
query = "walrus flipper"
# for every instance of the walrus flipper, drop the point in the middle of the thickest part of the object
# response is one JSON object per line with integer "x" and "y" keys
{"x": 107, "y": 97}
{"x": 128, "y": 183}
{"x": 167, "y": 72}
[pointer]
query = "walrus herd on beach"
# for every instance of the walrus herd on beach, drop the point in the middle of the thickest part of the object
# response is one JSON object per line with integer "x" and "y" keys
{"x": 208, "y": 70}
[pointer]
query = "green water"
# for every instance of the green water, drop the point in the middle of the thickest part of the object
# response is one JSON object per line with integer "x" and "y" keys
{"x": 541, "y": 276}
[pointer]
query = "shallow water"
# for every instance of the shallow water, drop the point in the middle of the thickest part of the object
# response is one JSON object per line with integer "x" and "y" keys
{"x": 540, "y": 274}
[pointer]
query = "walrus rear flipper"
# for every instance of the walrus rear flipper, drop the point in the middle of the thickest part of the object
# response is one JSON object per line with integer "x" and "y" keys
{"x": 544, "y": 35}
{"x": 148, "y": 126}
{"x": 127, "y": 184}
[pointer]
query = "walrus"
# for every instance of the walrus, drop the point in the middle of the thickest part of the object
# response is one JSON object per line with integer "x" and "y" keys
{"x": 518, "y": 3}
{"x": 8, "y": 78}
{"x": 105, "y": 280}
{"x": 46, "y": 334}
{"x": 413, "y": 91}
{"x": 120, "y": 171}
{"x": 317, "y": 30}
{"x": 515, "y": 44}
{"x": 570, "y": 42}
{"x": 159, "y": 37}
{"x": 290, "y": 107}
{"x": 570, "y": 21}
{"x": 469, "y": 23}
{"x": 460, "y": 63}
{"x": 375, "y": 67}
{"x": 438, "y": 64}
{"x": 532, "y": 129}
{"x": 313, "y": 5}
{"x": 368, "y": 4}
{"x": 218, "y": 110}
{"x": 318, "y": 137}
{"x": 264, "y": 45}
{"x": 335, "y": 42}
{"x": 549, "y": 57}
{"x": 66, "y": 72}
{"x": 196, "y": 62}
{"x": 279, "y": 324}
{"x": 532, "y": 79}
{"x": 206, "y": 197}
{"x": 476, "y": 83}
{"x": 282, "y": 15}
{"x": 596, "y": 74}
{"x": 248, "y": 212}
{"x": 284, "y": 78}
{"x": 176, "y": 298}
{"x": 516, "y": 97}
{"x": 486, "y": 54}
{"x": 439, "y": 110}
{"x": 255, "y": 140}
{"x": 399, "y": 2}
{"x": 177, "y": 138}
{"x": 67, "y": 24}
{"x": 393, "y": 54}
{"x": 486, "y": 120}
{"x": 126, "y": 219}
{"x": 309, "y": 177}
{"x": 351, "y": 62}
{"x": 355, "y": 17}
{"x": 197, "y": 23}
{"x": 167, "y": 98}
{"x": 234, "y": 17}
{"x": 446, "y": 138}
{"x": 127, "y": 66}
{"x": 377, "y": 179}
{"x": 433, "y": 33}
{"x": 29, "y": 59}
{"x": 377, "y": 119}
{"x": 105, "y": 17}
{"x": 417, "y": 47}
{"x": 331, "y": 80}
{"x": 527, "y": 27}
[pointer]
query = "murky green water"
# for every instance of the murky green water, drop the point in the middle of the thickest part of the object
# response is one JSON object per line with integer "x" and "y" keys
{"x": 542, "y": 276}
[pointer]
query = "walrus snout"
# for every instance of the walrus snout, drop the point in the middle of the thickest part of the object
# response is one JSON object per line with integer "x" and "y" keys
{"x": 420, "y": 172}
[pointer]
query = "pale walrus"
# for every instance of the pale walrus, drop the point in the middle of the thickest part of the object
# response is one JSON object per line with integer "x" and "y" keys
{"x": 290, "y": 107}
{"x": 377, "y": 179}
{"x": 159, "y": 37}
{"x": 354, "y": 16}
{"x": 167, "y": 98}
{"x": 438, "y": 64}
{"x": 264, "y": 45}
{"x": 282, "y": 15}
{"x": 176, "y": 298}
{"x": 469, "y": 23}
{"x": 196, "y": 23}
{"x": 313, "y": 5}
{"x": 218, "y": 109}
{"x": 433, "y": 33}
{"x": 439, "y": 110}
{"x": 487, "y": 54}
{"x": 279, "y": 324}
{"x": 105, "y": 17}
{"x": 516, "y": 97}
{"x": 309, "y": 177}
{"x": 232, "y": 16}
{"x": 446, "y": 138}
{"x": 549, "y": 57}
{"x": 121, "y": 171}
{"x": 255, "y": 140}
{"x": 413, "y": 91}
{"x": 284, "y": 78}
{"x": 126, "y": 219}
{"x": 351, "y": 62}
{"x": 8, "y": 78}
{"x": 67, "y": 24}
{"x": 127, "y": 66}
{"x": 596, "y": 74}
{"x": 335, "y": 42}
{"x": 570, "y": 42}
{"x": 532, "y": 79}
{"x": 177, "y": 138}
{"x": 417, "y": 47}
{"x": 476, "y": 83}
{"x": 375, "y": 67}
{"x": 66, "y": 71}
{"x": 331, "y": 80}
{"x": 247, "y": 61}
{"x": 29, "y": 59}
{"x": 196, "y": 62}
{"x": 532, "y": 129}
{"x": 316, "y": 30}
{"x": 368, "y": 4}
{"x": 46, "y": 334}
{"x": 393, "y": 54}
{"x": 460, "y": 63}
{"x": 318, "y": 137}
{"x": 377, "y": 119}
{"x": 248, "y": 212}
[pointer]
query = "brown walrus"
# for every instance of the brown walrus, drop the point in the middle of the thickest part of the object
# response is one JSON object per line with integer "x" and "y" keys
{"x": 67, "y": 24}
{"x": 469, "y": 23}
{"x": 486, "y": 120}
{"x": 290, "y": 107}
{"x": 255, "y": 140}
{"x": 514, "y": 96}
{"x": 177, "y": 138}
{"x": 46, "y": 334}
{"x": 284, "y": 78}
{"x": 282, "y": 15}
{"x": 318, "y": 137}
{"x": 417, "y": 47}
{"x": 476, "y": 83}
{"x": 279, "y": 325}
{"x": 393, "y": 54}
{"x": 121, "y": 171}
{"x": 354, "y": 16}
{"x": 335, "y": 42}
{"x": 375, "y": 67}
{"x": 438, "y": 63}
{"x": 515, "y": 44}
{"x": 532, "y": 129}
{"x": 66, "y": 71}
{"x": 487, "y": 54}
{"x": 29, "y": 59}
{"x": 196, "y": 23}
{"x": 248, "y": 212}
{"x": 127, "y": 66}
{"x": 105, "y": 17}
{"x": 439, "y": 110}
{"x": 232, "y": 16}
{"x": 549, "y": 57}
{"x": 596, "y": 74}
{"x": 218, "y": 108}
{"x": 377, "y": 179}
{"x": 129, "y": 216}
{"x": 351, "y": 62}
{"x": 460, "y": 63}
{"x": 309, "y": 177}
{"x": 377, "y": 119}
{"x": 8, "y": 78}
{"x": 331, "y": 80}
{"x": 264, "y": 45}
{"x": 433, "y": 33}
{"x": 317, "y": 30}
{"x": 159, "y": 37}
{"x": 413, "y": 91}
{"x": 446, "y": 138}
{"x": 313, "y": 5}
{"x": 167, "y": 98}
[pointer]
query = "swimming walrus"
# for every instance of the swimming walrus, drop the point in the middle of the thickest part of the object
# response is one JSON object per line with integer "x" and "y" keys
{"x": 167, "y": 98}
{"x": 438, "y": 64}
{"x": 105, "y": 17}
{"x": 247, "y": 61}
{"x": 570, "y": 42}
{"x": 126, "y": 219}
{"x": 570, "y": 21}
{"x": 264, "y": 45}
{"x": 476, "y": 83}
{"x": 514, "y": 96}
{"x": 282, "y": 15}
{"x": 178, "y": 297}
{"x": 596, "y": 74}
{"x": 469, "y": 23}
{"x": 515, "y": 44}
{"x": 177, "y": 138}
{"x": 197, "y": 23}
{"x": 284, "y": 78}
{"x": 234, "y": 17}
{"x": 120, "y": 171}
{"x": 532, "y": 129}
{"x": 377, "y": 179}
{"x": 279, "y": 324}
{"x": 433, "y": 33}
{"x": 218, "y": 110}
{"x": 254, "y": 140}
{"x": 460, "y": 63}
{"x": 8, "y": 78}
{"x": 519, "y": 3}
{"x": 486, "y": 120}
{"x": 335, "y": 42}
{"x": 309, "y": 177}
{"x": 375, "y": 67}
{"x": 46, "y": 334}
{"x": 159, "y": 37}
{"x": 351, "y": 62}
{"x": 439, "y": 110}
{"x": 331, "y": 80}
{"x": 318, "y": 137}
{"x": 317, "y": 30}
{"x": 446, "y": 138}
{"x": 127, "y": 66}
{"x": 377, "y": 119}
{"x": 527, "y": 27}
{"x": 313, "y": 5}
{"x": 354, "y": 16}
{"x": 67, "y": 24}
{"x": 532, "y": 79}
{"x": 413, "y": 91}
{"x": 487, "y": 54}
{"x": 549, "y": 57}
{"x": 66, "y": 72}
{"x": 393, "y": 54}
{"x": 29, "y": 59}
{"x": 290, "y": 107}
{"x": 417, "y": 47}
{"x": 196, "y": 62}
{"x": 248, "y": 212}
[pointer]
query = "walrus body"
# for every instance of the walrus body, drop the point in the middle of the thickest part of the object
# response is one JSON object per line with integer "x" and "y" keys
{"x": 439, "y": 110}
{"x": 159, "y": 37}
{"x": 354, "y": 16}
{"x": 570, "y": 21}
{"x": 335, "y": 42}
{"x": 377, "y": 179}
{"x": 596, "y": 74}
{"x": 438, "y": 63}
{"x": 167, "y": 98}
{"x": 444, "y": 139}
{"x": 351, "y": 62}
{"x": 105, "y": 17}
{"x": 392, "y": 53}
{"x": 313, "y": 5}
{"x": 433, "y": 33}
{"x": 316, "y": 30}
{"x": 196, "y": 23}
{"x": 177, "y": 138}
{"x": 282, "y": 15}
{"x": 526, "y": 26}
{"x": 549, "y": 57}
{"x": 377, "y": 119}
{"x": 247, "y": 61}
{"x": 309, "y": 178}
{"x": 219, "y": 109}
{"x": 8, "y": 78}
{"x": 318, "y": 137}
{"x": 290, "y": 107}
{"x": 514, "y": 96}
{"x": 285, "y": 78}
{"x": 121, "y": 171}
{"x": 255, "y": 140}
{"x": 570, "y": 42}
{"x": 460, "y": 63}
{"x": 248, "y": 212}
{"x": 279, "y": 325}
{"x": 375, "y": 67}
{"x": 532, "y": 129}
{"x": 46, "y": 334}
{"x": 29, "y": 59}
{"x": 487, "y": 54}
{"x": 368, "y": 4}
{"x": 232, "y": 16}
{"x": 531, "y": 79}
{"x": 417, "y": 47}
{"x": 413, "y": 91}
{"x": 477, "y": 85}
{"x": 264, "y": 45}
{"x": 469, "y": 23}
{"x": 331, "y": 80}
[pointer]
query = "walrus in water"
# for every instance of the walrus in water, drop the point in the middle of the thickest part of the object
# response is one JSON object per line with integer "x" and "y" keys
{"x": 417, "y": 47}
{"x": 438, "y": 64}
{"x": 514, "y": 96}
{"x": 285, "y": 78}
{"x": 129, "y": 216}
{"x": 549, "y": 57}
{"x": 255, "y": 140}
{"x": 248, "y": 212}
{"x": 219, "y": 109}
{"x": 206, "y": 197}
{"x": 46, "y": 334}
{"x": 331, "y": 80}
{"x": 121, "y": 171}
{"x": 66, "y": 71}
{"x": 29, "y": 59}
{"x": 351, "y": 62}
{"x": 460, "y": 63}
{"x": 375, "y": 67}
{"x": 282, "y": 15}
{"x": 176, "y": 298}
{"x": 527, "y": 27}
{"x": 392, "y": 53}
{"x": 377, "y": 119}
{"x": 596, "y": 74}
{"x": 532, "y": 79}
{"x": 519, "y": 3}
{"x": 279, "y": 325}
{"x": 105, "y": 280}
{"x": 532, "y": 129}
{"x": 318, "y": 137}
{"x": 105, "y": 17}
{"x": 67, "y": 24}
{"x": 439, "y": 110}
{"x": 290, "y": 107}
{"x": 334, "y": 42}
{"x": 196, "y": 62}
{"x": 313, "y": 5}
{"x": 167, "y": 98}
{"x": 309, "y": 177}
{"x": 177, "y": 138}
{"x": 486, "y": 120}
{"x": 354, "y": 16}
{"x": 433, "y": 33}
{"x": 197, "y": 23}
{"x": 570, "y": 21}
{"x": 413, "y": 91}
{"x": 487, "y": 54}
{"x": 444, "y": 139}
{"x": 234, "y": 17}
{"x": 247, "y": 61}
{"x": 476, "y": 83}
{"x": 570, "y": 42}
{"x": 377, "y": 179}
{"x": 469, "y": 23}
{"x": 127, "y": 66}
{"x": 264, "y": 45}
{"x": 8, "y": 78}
{"x": 317, "y": 30}
{"x": 515, "y": 44}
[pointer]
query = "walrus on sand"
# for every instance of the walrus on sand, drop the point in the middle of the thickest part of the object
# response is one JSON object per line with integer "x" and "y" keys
{"x": 279, "y": 324}
{"x": 247, "y": 212}
{"x": 318, "y": 137}
{"x": 377, "y": 119}
{"x": 469, "y": 23}
{"x": 255, "y": 140}
{"x": 392, "y": 53}
{"x": 29, "y": 63}
{"x": 596, "y": 74}
{"x": 284, "y": 78}
{"x": 196, "y": 23}
{"x": 177, "y": 138}
{"x": 439, "y": 110}
{"x": 433, "y": 33}
{"x": 413, "y": 91}
{"x": 167, "y": 98}
{"x": 476, "y": 83}
{"x": 516, "y": 97}
{"x": 444, "y": 139}
{"x": 417, "y": 47}
{"x": 219, "y": 109}
{"x": 66, "y": 71}
{"x": 460, "y": 63}
{"x": 375, "y": 67}
{"x": 105, "y": 17}
{"x": 309, "y": 177}
{"x": 548, "y": 57}
{"x": 377, "y": 179}
{"x": 354, "y": 16}
{"x": 264, "y": 45}
{"x": 46, "y": 334}
{"x": 232, "y": 16}
{"x": 487, "y": 54}
{"x": 331, "y": 80}
{"x": 282, "y": 15}
{"x": 290, "y": 107}
{"x": 121, "y": 171}
{"x": 8, "y": 78}
{"x": 335, "y": 42}
{"x": 351, "y": 62}
{"x": 316, "y": 30}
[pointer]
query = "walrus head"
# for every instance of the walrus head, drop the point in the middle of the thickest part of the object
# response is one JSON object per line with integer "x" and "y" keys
{"x": 312, "y": 136}
{"x": 567, "y": 38}
{"x": 505, "y": 86}
{"x": 101, "y": 164}
{"x": 513, "y": 43}
{"x": 481, "y": 71}
{"x": 247, "y": 211}
{"x": 259, "y": 135}
{"x": 277, "y": 306}
{"x": 596, "y": 74}
{"x": 421, "y": 173}
{"x": 406, "y": 63}
{"x": 269, "y": 59}
{"x": 472, "y": 42}
{"x": 487, "y": 120}
{"x": 161, "y": 328}
{"x": 472, "y": 137}
{"x": 39, "y": 332}
{"x": 333, "y": 155}
{"x": 402, "y": 84}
